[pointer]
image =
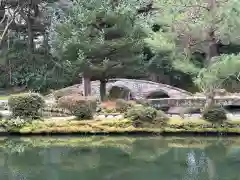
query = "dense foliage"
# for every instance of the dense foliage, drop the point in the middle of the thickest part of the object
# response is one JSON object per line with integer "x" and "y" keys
{"x": 123, "y": 105}
{"x": 46, "y": 44}
{"x": 25, "y": 59}
{"x": 141, "y": 115}
{"x": 101, "y": 43}
{"x": 215, "y": 115}
{"x": 79, "y": 106}
{"x": 26, "y": 105}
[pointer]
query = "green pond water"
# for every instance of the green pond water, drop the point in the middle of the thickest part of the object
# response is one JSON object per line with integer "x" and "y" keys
{"x": 119, "y": 158}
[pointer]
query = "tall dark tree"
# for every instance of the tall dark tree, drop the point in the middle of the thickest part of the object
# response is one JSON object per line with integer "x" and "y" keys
{"x": 102, "y": 39}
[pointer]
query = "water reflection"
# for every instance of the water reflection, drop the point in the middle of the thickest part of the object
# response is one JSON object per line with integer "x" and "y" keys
{"x": 99, "y": 158}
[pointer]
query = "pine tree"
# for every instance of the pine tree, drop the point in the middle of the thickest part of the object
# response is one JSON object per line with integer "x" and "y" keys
{"x": 188, "y": 28}
{"x": 102, "y": 39}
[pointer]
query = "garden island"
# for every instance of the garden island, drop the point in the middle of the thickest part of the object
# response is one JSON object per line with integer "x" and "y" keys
{"x": 65, "y": 112}
{"x": 130, "y": 67}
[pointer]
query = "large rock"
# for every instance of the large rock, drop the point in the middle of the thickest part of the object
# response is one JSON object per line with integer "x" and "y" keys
{"x": 5, "y": 114}
{"x": 3, "y": 105}
{"x": 65, "y": 92}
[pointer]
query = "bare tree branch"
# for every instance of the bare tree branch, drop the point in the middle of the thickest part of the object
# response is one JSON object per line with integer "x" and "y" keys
{"x": 11, "y": 17}
{"x": 238, "y": 76}
{"x": 9, "y": 22}
{"x": 3, "y": 19}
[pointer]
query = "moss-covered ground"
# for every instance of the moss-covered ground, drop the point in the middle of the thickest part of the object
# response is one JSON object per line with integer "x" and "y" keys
{"x": 122, "y": 126}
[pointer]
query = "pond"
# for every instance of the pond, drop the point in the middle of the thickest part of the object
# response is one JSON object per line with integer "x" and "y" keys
{"x": 119, "y": 158}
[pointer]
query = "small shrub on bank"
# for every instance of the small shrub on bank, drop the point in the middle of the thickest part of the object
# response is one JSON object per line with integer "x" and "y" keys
{"x": 215, "y": 115}
{"x": 141, "y": 114}
{"x": 80, "y": 106}
{"x": 26, "y": 105}
{"x": 161, "y": 117}
{"x": 123, "y": 105}
{"x": 13, "y": 124}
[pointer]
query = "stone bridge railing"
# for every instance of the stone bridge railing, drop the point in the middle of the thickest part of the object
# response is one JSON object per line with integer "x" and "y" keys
{"x": 195, "y": 102}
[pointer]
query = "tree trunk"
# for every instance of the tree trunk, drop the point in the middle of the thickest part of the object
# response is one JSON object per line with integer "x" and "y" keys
{"x": 86, "y": 81}
{"x": 212, "y": 50}
{"x": 103, "y": 84}
{"x": 209, "y": 101}
{"x": 45, "y": 42}
{"x": 30, "y": 38}
{"x": 30, "y": 31}
{"x": 6, "y": 26}
{"x": 213, "y": 47}
{"x": 153, "y": 77}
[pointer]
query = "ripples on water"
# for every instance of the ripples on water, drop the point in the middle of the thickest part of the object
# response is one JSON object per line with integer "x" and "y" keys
{"x": 106, "y": 158}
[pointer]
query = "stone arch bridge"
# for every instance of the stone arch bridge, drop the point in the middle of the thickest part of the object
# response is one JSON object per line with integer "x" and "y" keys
{"x": 140, "y": 89}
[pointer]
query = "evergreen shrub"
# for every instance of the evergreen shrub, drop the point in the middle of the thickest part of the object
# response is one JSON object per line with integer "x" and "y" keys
{"x": 123, "y": 105}
{"x": 80, "y": 106}
{"x": 26, "y": 105}
{"x": 215, "y": 115}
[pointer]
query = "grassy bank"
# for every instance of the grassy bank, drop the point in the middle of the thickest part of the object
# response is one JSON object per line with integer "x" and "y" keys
{"x": 119, "y": 127}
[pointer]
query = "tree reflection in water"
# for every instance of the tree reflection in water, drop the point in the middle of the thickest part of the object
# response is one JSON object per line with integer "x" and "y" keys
{"x": 115, "y": 159}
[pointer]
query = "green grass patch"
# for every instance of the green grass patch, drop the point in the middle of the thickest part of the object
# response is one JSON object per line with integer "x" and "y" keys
{"x": 179, "y": 121}
{"x": 6, "y": 97}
